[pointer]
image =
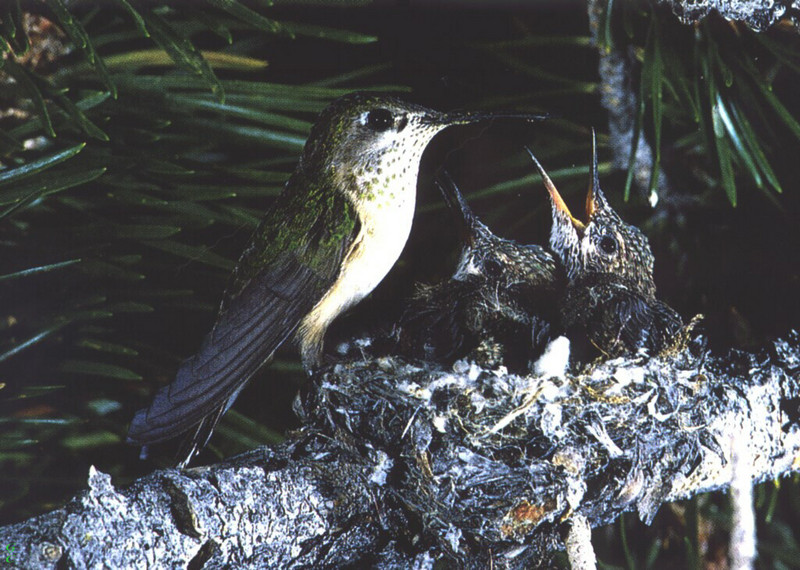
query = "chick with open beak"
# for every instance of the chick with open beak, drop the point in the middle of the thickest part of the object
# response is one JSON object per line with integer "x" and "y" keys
{"x": 604, "y": 243}
{"x": 610, "y": 295}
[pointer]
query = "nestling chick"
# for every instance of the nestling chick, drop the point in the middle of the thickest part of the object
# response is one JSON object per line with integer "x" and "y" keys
{"x": 610, "y": 294}
{"x": 499, "y": 305}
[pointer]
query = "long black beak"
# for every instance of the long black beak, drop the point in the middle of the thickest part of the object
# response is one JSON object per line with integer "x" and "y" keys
{"x": 469, "y": 117}
{"x": 469, "y": 226}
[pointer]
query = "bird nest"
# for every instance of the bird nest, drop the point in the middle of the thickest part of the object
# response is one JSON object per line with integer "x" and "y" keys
{"x": 488, "y": 460}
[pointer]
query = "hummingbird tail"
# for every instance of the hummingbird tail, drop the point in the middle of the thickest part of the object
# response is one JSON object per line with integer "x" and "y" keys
{"x": 246, "y": 335}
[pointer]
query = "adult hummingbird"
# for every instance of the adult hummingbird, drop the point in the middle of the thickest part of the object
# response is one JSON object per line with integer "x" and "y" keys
{"x": 610, "y": 293}
{"x": 498, "y": 306}
{"x": 330, "y": 237}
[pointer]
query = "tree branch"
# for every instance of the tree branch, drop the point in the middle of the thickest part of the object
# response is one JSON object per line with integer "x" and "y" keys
{"x": 756, "y": 14}
{"x": 400, "y": 464}
{"x": 618, "y": 96}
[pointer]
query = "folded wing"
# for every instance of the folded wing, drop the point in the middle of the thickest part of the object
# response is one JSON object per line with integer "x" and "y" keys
{"x": 283, "y": 274}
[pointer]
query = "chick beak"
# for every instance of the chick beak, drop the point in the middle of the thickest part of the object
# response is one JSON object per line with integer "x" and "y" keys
{"x": 595, "y": 200}
{"x": 470, "y": 228}
{"x": 556, "y": 198}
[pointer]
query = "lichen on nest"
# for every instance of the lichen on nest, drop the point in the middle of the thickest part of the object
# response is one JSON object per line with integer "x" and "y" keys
{"x": 490, "y": 460}
{"x": 757, "y": 14}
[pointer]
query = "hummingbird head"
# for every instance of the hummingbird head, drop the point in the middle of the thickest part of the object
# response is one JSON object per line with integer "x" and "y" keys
{"x": 373, "y": 142}
{"x": 484, "y": 255}
{"x": 604, "y": 243}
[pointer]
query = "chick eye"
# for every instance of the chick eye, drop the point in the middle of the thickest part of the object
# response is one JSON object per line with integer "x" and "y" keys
{"x": 380, "y": 120}
{"x": 609, "y": 245}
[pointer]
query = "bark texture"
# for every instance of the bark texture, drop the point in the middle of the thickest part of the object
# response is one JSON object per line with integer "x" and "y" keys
{"x": 401, "y": 463}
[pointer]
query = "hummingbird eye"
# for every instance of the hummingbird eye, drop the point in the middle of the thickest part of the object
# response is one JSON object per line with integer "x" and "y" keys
{"x": 608, "y": 245}
{"x": 380, "y": 120}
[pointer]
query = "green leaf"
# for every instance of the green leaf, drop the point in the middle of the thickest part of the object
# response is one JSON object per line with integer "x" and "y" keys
{"x": 702, "y": 86}
{"x": 719, "y": 140}
{"x": 248, "y": 16}
{"x": 205, "y": 191}
{"x": 652, "y": 553}
{"x": 129, "y": 307}
{"x": 250, "y": 113}
{"x": 35, "y": 391}
{"x": 523, "y": 66}
{"x": 192, "y": 305}
{"x": 182, "y": 52}
{"x": 77, "y": 115}
{"x": 29, "y": 129}
{"x": 131, "y": 61}
{"x": 13, "y": 28}
{"x": 276, "y": 179}
{"x": 652, "y": 74}
{"x": 104, "y": 406}
{"x": 8, "y": 28}
{"x": 628, "y": 12}
{"x": 214, "y": 24}
{"x": 320, "y": 3}
{"x": 48, "y": 183}
{"x": 167, "y": 293}
{"x": 248, "y": 135}
{"x": 296, "y": 93}
{"x": 725, "y": 163}
{"x": 326, "y": 33}
{"x": 91, "y": 368}
{"x": 605, "y": 37}
{"x": 349, "y": 76}
{"x": 131, "y": 259}
{"x": 103, "y": 346}
{"x": 13, "y": 442}
{"x": 766, "y": 91}
{"x": 637, "y": 130}
{"x": 40, "y": 421}
{"x": 773, "y": 501}
{"x": 80, "y": 38}
{"x": 36, "y": 338}
{"x": 91, "y": 440}
{"x": 144, "y": 231}
{"x": 16, "y": 174}
{"x": 165, "y": 167}
{"x": 8, "y": 144}
{"x": 23, "y": 77}
{"x": 676, "y": 72}
{"x": 733, "y": 134}
{"x": 137, "y": 19}
{"x": 39, "y": 269}
{"x": 136, "y": 198}
{"x": 244, "y": 425}
{"x": 201, "y": 214}
{"x": 785, "y": 54}
{"x": 246, "y": 216}
{"x": 97, "y": 268}
{"x": 193, "y": 253}
{"x": 92, "y": 100}
{"x": 630, "y": 559}
{"x": 755, "y": 148}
